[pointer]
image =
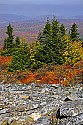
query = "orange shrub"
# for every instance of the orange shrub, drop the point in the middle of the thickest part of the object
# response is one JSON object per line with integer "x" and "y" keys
{"x": 30, "y": 78}
{"x": 4, "y": 60}
{"x": 61, "y": 74}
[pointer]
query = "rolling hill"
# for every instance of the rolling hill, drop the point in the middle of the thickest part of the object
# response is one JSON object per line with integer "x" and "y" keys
{"x": 30, "y": 28}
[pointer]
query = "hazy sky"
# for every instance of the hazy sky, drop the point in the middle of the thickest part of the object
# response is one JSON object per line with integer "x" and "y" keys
{"x": 41, "y": 1}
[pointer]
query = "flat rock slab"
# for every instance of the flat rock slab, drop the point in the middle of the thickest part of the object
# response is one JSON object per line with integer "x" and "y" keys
{"x": 76, "y": 120}
{"x": 72, "y": 108}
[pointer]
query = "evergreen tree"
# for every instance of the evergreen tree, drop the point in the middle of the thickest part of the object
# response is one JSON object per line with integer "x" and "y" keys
{"x": 62, "y": 30}
{"x": 21, "y": 60}
{"x": 41, "y": 38}
{"x": 17, "y": 41}
{"x": 5, "y": 44}
{"x": 8, "y": 42}
{"x": 9, "y": 30}
{"x": 57, "y": 43}
{"x": 52, "y": 50}
{"x": 74, "y": 35}
{"x": 55, "y": 29}
{"x": 46, "y": 30}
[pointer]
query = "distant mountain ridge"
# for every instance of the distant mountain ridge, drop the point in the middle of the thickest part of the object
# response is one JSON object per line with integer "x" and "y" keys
{"x": 79, "y": 17}
{"x": 6, "y": 18}
{"x": 29, "y": 28}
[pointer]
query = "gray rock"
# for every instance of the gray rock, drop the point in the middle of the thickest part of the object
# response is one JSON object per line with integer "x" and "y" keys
{"x": 72, "y": 108}
{"x": 35, "y": 106}
{"x": 19, "y": 101}
{"x": 42, "y": 121}
{"x": 43, "y": 103}
{"x": 76, "y": 120}
{"x": 73, "y": 97}
{"x": 0, "y": 87}
{"x": 3, "y": 111}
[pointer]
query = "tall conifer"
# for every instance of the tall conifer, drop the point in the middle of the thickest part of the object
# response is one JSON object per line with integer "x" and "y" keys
{"x": 8, "y": 42}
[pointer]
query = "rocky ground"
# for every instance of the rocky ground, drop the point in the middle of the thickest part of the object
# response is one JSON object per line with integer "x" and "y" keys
{"x": 33, "y": 104}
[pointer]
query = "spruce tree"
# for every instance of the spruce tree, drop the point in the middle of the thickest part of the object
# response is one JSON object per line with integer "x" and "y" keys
{"x": 46, "y": 30}
{"x": 62, "y": 30}
{"x": 51, "y": 52}
{"x": 57, "y": 42}
{"x": 55, "y": 29}
{"x": 21, "y": 60}
{"x": 9, "y": 30}
{"x": 41, "y": 38}
{"x": 17, "y": 41}
{"x": 8, "y": 42}
{"x": 74, "y": 35}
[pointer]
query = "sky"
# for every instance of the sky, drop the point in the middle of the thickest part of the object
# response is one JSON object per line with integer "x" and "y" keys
{"x": 41, "y": 1}
{"x": 30, "y": 8}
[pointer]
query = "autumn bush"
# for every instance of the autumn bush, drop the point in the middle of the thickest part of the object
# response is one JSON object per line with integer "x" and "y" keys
{"x": 60, "y": 74}
{"x": 30, "y": 78}
{"x": 5, "y": 60}
{"x": 73, "y": 52}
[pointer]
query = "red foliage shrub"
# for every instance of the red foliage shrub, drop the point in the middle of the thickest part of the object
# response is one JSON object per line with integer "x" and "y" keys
{"x": 61, "y": 74}
{"x": 5, "y": 60}
{"x": 30, "y": 78}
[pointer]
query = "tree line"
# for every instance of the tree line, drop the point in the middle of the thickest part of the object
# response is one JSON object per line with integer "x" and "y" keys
{"x": 53, "y": 47}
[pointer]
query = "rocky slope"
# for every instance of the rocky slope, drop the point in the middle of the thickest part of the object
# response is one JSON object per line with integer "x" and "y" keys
{"x": 33, "y": 104}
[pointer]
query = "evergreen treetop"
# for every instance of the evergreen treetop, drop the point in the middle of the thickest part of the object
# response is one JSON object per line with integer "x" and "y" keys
{"x": 17, "y": 41}
{"x": 9, "y": 30}
{"x": 62, "y": 29}
{"x": 74, "y": 35}
{"x": 8, "y": 42}
{"x": 46, "y": 30}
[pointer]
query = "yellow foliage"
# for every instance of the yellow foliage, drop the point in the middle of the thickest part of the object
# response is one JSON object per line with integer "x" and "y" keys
{"x": 23, "y": 41}
{"x": 73, "y": 52}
